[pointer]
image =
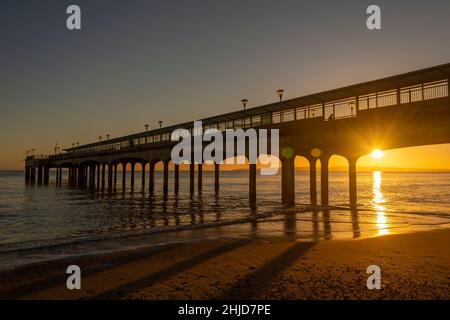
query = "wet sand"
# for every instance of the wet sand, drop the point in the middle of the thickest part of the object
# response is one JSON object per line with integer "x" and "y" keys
{"x": 413, "y": 266}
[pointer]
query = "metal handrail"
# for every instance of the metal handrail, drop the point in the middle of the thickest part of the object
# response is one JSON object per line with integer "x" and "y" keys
{"x": 420, "y": 92}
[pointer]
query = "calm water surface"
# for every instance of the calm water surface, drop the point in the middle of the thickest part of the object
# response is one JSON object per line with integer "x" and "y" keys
{"x": 388, "y": 203}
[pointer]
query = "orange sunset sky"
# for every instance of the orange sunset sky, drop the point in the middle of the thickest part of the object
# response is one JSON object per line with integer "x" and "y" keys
{"x": 172, "y": 61}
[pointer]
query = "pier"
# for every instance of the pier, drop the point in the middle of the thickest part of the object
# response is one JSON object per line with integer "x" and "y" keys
{"x": 406, "y": 110}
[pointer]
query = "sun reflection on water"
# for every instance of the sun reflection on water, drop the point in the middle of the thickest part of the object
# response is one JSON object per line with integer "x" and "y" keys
{"x": 377, "y": 203}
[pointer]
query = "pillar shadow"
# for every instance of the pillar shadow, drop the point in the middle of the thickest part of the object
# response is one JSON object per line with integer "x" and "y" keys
{"x": 192, "y": 209}
{"x": 327, "y": 234}
{"x": 158, "y": 276}
{"x": 176, "y": 214}
{"x": 60, "y": 279}
{"x": 253, "y": 216}
{"x": 290, "y": 225}
{"x": 316, "y": 226}
{"x": 216, "y": 207}
{"x": 201, "y": 213}
{"x": 355, "y": 224}
{"x": 249, "y": 286}
{"x": 164, "y": 211}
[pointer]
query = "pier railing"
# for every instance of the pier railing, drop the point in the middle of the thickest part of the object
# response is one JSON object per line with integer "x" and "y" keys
{"x": 287, "y": 111}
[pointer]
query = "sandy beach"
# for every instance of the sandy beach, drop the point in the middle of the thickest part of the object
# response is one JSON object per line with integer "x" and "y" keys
{"x": 413, "y": 266}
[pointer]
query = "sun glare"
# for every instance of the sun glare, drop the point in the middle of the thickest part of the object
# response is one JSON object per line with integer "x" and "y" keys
{"x": 377, "y": 154}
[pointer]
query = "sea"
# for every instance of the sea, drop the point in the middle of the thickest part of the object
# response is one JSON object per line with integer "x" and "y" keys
{"x": 38, "y": 222}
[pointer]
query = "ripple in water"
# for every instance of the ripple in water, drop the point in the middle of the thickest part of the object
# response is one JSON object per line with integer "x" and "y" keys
{"x": 38, "y": 215}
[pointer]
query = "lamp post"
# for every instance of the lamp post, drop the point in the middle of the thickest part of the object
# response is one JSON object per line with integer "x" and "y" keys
{"x": 146, "y": 127}
{"x": 280, "y": 93}
{"x": 244, "y": 103}
{"x": 100, "y": 138}
{"x": 160, "y": 123}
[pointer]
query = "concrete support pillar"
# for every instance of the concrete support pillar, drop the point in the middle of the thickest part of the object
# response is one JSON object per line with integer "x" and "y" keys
{"x": 60, "y": 176}
{"x": 352, "y": 181}
{"x": 324, "y": 180}
{"x": 92, "y": 176}
{"x": 27, "y": 174}
{"x": 151, "y": 179}
{"x": 252, "y": 182}
{"x": 85, "y": 177}
{"x": 75, "y": 175}
{"x": 33, "y": 174}
{"x": 110, "y": 175}
{"x": 57, "y": 176}
{"x": 312, "y": 180}
{"x": 192, "y": 178}
{"x": 124, "y": 176}
{"x": 40, "y": 174}
{"x": 115, "y": 174}
{"x": 46, "y": 174}
{"x": 132, "y": 175}
{"x": 216, "y": 177}
{"x": 177, "y": 178}
{"x": 80, "y": 176}
{"x": 98, "y": 175}
{"x": 200, "y": 177}
{"x": 70, "y": 176}
{"x": 143, "y": 176}
{"x": 103, "y": 176}
{"x": 166, "y": 178}
{"x": 288, "y": 181}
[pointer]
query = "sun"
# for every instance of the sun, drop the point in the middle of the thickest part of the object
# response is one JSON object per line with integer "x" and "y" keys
{"x": 377, "y": 154}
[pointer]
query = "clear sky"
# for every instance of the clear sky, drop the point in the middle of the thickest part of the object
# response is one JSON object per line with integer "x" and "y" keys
{"x": 140, "y": 61}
